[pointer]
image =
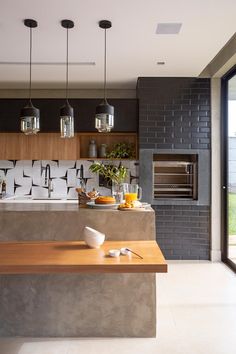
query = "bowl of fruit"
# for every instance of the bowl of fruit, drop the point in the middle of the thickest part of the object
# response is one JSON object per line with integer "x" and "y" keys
{"x": 131, "y": 206}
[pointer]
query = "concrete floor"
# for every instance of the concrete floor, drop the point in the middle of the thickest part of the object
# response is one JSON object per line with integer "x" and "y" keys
{"x": 196, "y": 315}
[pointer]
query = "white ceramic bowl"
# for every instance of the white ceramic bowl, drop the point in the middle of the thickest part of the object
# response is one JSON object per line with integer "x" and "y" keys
{"x": 125, "y": 251}
{"x": 93, "y": 238}
{"x": 114, "y": 253}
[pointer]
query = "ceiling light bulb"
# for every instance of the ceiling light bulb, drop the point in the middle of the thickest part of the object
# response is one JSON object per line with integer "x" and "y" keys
{"x": 67, "y": 121}
{"x": 30, "y": 120}
{"x": 104, "y": 118}
{"x": 29, "y": 114}
{"x": 66, "y": 111}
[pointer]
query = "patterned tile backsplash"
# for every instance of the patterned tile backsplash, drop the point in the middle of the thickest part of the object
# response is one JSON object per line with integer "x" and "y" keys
{"x": 27, "y": 177}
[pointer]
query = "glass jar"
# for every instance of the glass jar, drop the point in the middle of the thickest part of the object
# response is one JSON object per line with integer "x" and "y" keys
{"x": 103, "y": 150}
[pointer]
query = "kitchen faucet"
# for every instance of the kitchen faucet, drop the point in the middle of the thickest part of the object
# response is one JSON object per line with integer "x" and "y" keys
{"x": 83, "y": 180}
{"x": 48, "y": 180}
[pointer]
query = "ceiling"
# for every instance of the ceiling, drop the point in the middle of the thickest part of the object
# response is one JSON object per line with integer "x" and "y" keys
{"x": 132, "y": 43}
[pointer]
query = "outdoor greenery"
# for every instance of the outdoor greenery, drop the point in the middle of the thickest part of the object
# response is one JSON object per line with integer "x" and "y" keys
{"x": 232, "y": 214}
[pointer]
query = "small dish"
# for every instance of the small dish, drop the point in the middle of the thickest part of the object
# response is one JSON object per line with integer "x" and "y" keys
{"x": 125, "y": 252}
{"x": 145, "y": 205}
{"x": 114, "y": 253}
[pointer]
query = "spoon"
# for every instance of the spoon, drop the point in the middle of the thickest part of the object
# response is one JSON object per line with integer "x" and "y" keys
{"x": 129, "y": 250}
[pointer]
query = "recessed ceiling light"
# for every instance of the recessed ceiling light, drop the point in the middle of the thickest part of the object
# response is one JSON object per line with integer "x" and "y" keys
{"x": 168, "y": 28}
{"x": 160, "y": 63}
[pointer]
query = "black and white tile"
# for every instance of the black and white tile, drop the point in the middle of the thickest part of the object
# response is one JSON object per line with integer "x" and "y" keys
{"x": 27, "y": 177}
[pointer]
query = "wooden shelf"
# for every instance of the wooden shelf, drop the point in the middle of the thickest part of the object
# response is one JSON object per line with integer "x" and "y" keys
{"x": 76, "y": 257}
{"x": 108, "y": 138}
{"x": 50, "y": 146}
{"x": 43, "y": 146}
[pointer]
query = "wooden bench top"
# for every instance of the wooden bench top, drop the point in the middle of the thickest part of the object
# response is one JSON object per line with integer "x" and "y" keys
{"x": 76, "y": 257}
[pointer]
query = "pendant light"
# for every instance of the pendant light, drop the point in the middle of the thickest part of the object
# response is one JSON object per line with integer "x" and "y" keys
{"x": 66, "y": 111}
{"x": 29, "y": 114}
{"x": 104, "y": 119}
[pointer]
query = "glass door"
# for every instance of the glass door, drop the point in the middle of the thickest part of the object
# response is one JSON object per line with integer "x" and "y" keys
{"x": 229, "y": 168}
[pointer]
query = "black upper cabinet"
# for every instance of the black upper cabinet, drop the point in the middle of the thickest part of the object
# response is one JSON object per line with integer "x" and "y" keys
{"x": 126, "y": 114}
{"x": 9, "y": 114}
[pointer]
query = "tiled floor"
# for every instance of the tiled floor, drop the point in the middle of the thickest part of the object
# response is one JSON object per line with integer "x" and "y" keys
{"x": 196, "y": 315}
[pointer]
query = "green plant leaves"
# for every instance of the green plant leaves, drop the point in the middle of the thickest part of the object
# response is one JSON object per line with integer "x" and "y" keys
{"x": 111, "y": 172}
{"x": 122, "y": 151}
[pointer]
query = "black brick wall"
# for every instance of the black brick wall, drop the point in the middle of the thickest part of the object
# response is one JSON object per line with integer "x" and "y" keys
{"x": 174, "y": 113}
{"x": 183, "y": 231}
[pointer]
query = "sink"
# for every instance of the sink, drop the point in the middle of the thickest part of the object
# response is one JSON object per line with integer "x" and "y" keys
{"x": 30, "y": 199}
{"x": 17, "y": 197}
{"x": 43, "y": 198}
{"x": 52, "y": 199}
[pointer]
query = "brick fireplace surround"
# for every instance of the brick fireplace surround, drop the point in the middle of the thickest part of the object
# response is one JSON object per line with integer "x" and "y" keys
{"x": 174, "y": 115}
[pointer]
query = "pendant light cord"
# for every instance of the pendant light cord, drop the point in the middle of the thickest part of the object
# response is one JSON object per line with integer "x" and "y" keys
{"x": 30, "y": 64}
{"x": 105, "y": 65}
{"x": 67, "y": 37}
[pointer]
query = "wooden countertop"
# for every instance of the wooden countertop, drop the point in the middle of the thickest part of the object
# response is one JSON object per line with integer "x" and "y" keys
{"x": 76, "y": 257}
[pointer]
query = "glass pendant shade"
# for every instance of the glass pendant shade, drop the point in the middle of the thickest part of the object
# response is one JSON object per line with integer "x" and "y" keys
{"x": 29, "y": 115}
{"x": 104, "y": 118}
{"x": 66, "y": 111}
{"x": 67, "y": 121}
{"x": 29, "y": 118}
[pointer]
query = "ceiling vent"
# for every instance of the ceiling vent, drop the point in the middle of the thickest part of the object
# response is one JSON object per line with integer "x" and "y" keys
{"x": 168, "y": 28}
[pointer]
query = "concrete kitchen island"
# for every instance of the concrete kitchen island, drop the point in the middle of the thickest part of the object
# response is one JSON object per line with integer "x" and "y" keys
{"x": 75, "y": 305}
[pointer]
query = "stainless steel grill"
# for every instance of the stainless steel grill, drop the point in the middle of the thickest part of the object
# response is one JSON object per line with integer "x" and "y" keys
{"x": 175, "y": 176}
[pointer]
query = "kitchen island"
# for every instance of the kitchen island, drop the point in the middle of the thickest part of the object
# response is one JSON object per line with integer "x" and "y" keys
{"x": 81, "y": 304}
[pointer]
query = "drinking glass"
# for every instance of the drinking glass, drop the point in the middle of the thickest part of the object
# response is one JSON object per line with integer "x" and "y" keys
{"x": 118, "y": 192}
{"x": 132, "y": 192}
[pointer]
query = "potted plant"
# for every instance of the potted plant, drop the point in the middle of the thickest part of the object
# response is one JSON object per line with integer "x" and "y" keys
{"x": 114, "y": 174}
{"x": 121, "y": 151}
